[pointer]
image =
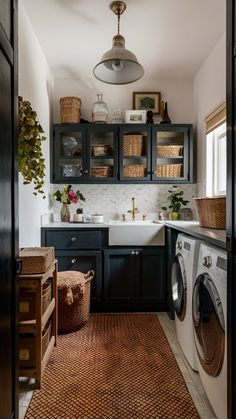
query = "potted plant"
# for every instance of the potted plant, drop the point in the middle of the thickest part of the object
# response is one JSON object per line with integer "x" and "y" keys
{"x": 176, "y": 201}
{"x": 30, "y": 156}
{"x": 66, "y": 197}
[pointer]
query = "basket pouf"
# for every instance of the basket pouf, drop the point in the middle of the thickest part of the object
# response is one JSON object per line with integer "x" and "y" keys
{"x": 73, "y": 300}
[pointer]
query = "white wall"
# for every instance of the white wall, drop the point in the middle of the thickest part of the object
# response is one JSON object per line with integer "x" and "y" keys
{"x": 209, "y": 88}
{"x": 178, "y": 94}
{"x": 35, "y": 85}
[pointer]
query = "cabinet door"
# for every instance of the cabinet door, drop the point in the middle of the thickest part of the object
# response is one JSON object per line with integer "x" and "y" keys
{"x": 172, "y": 153}
{"x": 102, "y": 153}
{"x": 152, "y": 286}
{"x": 83, "y": 261}
{"x": 68, "y": 154}
{"x": 135, "y": 153}
{"x": 120, "y": 276}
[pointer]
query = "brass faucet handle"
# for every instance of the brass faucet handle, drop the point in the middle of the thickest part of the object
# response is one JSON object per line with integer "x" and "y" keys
{"x": 123, "y": 217}
{"x": 144, "y": 217}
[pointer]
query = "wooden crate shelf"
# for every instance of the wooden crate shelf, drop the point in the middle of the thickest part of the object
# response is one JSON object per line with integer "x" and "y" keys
{"x": 33, "y": 328}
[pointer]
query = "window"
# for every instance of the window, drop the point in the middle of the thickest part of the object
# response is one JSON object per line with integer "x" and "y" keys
{"x": 216, "y": 151}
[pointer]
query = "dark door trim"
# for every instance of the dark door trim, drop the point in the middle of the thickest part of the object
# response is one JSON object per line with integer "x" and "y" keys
{"x": 231, "y": 210}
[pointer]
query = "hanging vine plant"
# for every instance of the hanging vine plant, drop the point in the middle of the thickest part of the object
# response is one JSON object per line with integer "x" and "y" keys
{"x": 31, "y": 161}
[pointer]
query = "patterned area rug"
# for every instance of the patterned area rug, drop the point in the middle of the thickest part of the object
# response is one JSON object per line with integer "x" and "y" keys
{"x": 119, "y": 366}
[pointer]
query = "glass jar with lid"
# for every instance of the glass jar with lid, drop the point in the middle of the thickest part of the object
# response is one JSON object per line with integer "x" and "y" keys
{"x": 99, "y": 113}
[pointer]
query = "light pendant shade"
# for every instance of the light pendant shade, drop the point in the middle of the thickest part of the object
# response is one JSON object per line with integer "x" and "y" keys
{"x": 118, "y": 65}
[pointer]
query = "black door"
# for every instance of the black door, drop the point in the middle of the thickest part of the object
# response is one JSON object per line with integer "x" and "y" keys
{"x": 8, "y": 210}
{"x": 231, "y": 204}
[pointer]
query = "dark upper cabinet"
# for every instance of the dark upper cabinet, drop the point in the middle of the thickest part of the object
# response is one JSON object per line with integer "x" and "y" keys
{"x": 124, "y": 153}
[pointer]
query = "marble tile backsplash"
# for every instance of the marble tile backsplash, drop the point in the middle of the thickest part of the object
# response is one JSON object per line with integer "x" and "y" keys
{"x": 114, "y": 200}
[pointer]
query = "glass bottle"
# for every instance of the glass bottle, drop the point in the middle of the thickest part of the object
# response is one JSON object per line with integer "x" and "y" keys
{"x": 99, "y": 113}
{"x": 165, "y": 117}
{"x": 117, "y": 116}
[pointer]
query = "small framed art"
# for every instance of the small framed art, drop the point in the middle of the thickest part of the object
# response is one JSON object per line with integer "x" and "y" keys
{"x": 150, "y": 101}
{"x": 135, "y": 117}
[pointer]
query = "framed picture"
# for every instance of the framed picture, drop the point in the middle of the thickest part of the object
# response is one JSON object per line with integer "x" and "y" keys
{"x": 150, "y": 101}
{"x": 135, "y": 117}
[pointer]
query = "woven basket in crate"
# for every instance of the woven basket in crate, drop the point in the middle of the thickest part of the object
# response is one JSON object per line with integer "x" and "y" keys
{"x": 169, "y": 150}
{"x": 70, "y": 109}
{"x": 102, "y": 171}
{"x": 134, "y": 170}
{"x": 132, "y": 145}
{"x": 36, "y": 260}
{"x": 212, "y": 212}
{"x": 169, "y": 170}
{"x": 73, "y": 300}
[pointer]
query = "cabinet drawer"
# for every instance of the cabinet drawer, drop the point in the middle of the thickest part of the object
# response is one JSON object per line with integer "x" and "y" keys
{"x": 74, "y": 239}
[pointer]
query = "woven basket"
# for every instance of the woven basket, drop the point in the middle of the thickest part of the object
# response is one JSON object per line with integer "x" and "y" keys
{"x": 134, "y": 170}
{"x": 73, "y": 300}
{"x": 212, "y": 212}
{"x": 102, "y": 150}
{"x": 36, "y": 260}
{"x": 169, "y": 150}
{"x": 169, "y": 170}
{"x": 70, "y": 109}
{"x": 133, "y": 145}
{"x": 102, "y": 171}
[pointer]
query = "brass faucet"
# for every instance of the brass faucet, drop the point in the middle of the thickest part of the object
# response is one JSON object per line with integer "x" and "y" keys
{"x": 134, "y": 210}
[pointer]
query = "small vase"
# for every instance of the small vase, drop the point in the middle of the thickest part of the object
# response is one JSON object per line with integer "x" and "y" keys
{"x": 65, "y": 213}
{"x": 174, "y": 216}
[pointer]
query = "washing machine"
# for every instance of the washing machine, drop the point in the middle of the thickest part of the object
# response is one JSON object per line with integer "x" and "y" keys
{"x": 209, "y": 321}
{"x": 184, "y": 271}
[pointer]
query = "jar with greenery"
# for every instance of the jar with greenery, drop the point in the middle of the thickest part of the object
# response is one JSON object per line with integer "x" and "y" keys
{"x": 176, "y": 201}
{"x": 30, "y": 155}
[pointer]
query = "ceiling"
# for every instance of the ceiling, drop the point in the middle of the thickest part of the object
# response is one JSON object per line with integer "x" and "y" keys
{"x": 171, "y": 38}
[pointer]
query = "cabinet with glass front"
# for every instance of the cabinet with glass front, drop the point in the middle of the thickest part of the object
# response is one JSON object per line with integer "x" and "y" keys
{"x": 122, "y": 153}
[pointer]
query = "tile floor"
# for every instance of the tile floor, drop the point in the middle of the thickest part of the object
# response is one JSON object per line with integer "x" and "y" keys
{"x": 192, "y": 378}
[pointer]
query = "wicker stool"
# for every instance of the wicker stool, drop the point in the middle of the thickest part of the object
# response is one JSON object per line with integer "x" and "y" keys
{"x": 73, "y": 300}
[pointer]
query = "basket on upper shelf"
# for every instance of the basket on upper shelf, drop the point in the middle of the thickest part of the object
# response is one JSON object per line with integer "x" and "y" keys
{"x": 133, "y": 145}
{"x": 169, "y": 150}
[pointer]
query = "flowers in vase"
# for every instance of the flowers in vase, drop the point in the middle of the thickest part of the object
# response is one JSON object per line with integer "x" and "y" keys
{"x": 68, "y": 196}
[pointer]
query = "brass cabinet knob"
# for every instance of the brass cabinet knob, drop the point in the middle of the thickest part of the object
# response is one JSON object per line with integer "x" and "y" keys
{"x": 137, "y": 253}
{"x": 73, "y": 239}
{"x": 73, "y": 261}
{"x": 133, "y": 252}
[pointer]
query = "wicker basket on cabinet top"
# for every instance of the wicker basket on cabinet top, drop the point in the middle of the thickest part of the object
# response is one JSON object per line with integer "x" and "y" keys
{"x": 70, "y": 109}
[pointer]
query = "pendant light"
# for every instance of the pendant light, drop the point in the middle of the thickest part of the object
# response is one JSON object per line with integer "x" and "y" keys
{"x": 118, "y": 65}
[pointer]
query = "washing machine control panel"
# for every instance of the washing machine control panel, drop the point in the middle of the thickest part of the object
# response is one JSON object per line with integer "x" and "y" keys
{"x": 207, "y": 261}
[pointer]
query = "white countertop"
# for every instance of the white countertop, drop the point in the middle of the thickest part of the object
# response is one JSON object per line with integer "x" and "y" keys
{"x": 217, "y": 237}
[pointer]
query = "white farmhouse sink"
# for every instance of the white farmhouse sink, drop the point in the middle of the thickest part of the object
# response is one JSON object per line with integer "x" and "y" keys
{"x": 136, "y": 233}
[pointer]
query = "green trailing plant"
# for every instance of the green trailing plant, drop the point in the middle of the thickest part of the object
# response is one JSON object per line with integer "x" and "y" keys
{"x": 31, "y": 161}
{"x": 176, "y": 199}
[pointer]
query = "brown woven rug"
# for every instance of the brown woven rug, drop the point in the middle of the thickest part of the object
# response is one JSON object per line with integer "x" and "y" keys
{"x": 119, "y": 366}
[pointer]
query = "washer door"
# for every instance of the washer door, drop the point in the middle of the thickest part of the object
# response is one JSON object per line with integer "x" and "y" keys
{"x": 209, "y": 325}
{"x": 179, "y": 287}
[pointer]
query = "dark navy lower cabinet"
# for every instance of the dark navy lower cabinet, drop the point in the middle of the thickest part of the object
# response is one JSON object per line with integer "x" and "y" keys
{"x": 126, "y": 279}
{"x": 134, "y": 279}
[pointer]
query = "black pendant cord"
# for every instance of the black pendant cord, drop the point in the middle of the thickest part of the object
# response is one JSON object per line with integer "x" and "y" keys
{"x": 118, "y": 31}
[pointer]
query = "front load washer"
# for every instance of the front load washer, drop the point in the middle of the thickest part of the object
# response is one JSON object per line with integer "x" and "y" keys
{"x": 184, "y": 271}
{"x": 209, "y": 321}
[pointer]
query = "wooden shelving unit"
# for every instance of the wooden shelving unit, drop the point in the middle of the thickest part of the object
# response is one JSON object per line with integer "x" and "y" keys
{"x": 31, "y": 331}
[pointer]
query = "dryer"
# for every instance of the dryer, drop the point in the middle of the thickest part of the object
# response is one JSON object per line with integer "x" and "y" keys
{"x": 209, "y": 320}
{"x": 184, "y": 271}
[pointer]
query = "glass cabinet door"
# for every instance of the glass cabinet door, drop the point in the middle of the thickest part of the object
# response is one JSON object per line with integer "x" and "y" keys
{"x": 135, "y": 153}
{"x": 170, "y": 153}
{"x": 102, "y": 153}
{"x": 70, "y": 155}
